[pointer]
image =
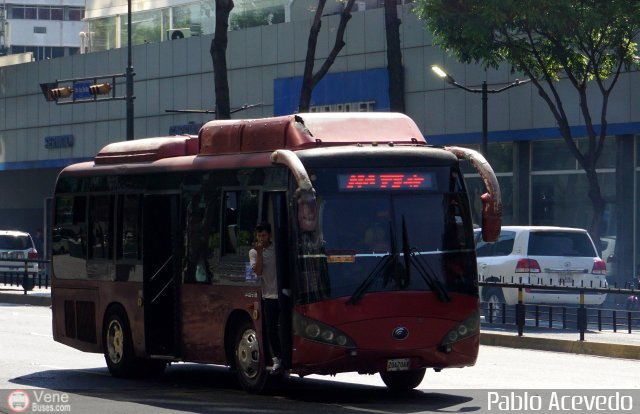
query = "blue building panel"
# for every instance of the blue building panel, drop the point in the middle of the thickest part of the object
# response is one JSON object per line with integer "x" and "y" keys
{"x": 370, "y": 85}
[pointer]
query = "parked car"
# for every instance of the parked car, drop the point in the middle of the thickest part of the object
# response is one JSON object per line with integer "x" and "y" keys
{"x": 608, "y": 244}
{"x": 558, "y": 256}
{"x": 15, "y": 247}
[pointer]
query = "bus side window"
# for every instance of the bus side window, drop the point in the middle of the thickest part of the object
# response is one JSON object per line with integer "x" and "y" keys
{"x": 230, "y": 222}
{"x": 239, "y": 218}
{"x": 100, "y": 237}
{"x": 202, "y": 236}
{"x": 129, "y": 224}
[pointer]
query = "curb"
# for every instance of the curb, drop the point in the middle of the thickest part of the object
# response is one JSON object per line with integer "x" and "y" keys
{"x": 562, "y": 345}
{"x": 27, "y": 299}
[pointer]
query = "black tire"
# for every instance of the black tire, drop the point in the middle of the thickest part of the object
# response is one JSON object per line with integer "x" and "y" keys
{"x": 118, "y": 345}
{"x": 494, "y": 302}
{"x": 400, "y": 381}
{"x": 249, "y": 359}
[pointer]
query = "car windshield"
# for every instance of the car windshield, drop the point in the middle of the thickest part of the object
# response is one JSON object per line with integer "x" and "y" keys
{"x": 561, "y": 243}
{"x": 9, "y": 242}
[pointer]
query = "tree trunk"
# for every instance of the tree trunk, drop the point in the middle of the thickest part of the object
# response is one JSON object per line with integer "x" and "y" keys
{"x": 307, "y": 77}
{"x": 310, "y": 80}
{"x": 218, "y": 53}
{"x": 394, "y": 56}
{"x": 598, "y": 203}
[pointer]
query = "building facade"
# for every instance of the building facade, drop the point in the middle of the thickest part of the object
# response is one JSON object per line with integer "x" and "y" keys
{"x": 541, "y": 181}
{"x": 46, "y": 29}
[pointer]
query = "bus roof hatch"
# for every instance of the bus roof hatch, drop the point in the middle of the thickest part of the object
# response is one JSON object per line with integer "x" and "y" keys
{"x": 307, "y": 130}
{"x": 147, "y": 149}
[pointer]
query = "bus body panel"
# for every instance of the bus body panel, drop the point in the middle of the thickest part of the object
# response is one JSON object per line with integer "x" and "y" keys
{"x": 316, "y": 358}
{"x": 371, "y": 323}
{"x": 76, "y": 304}
{"x": 205, "y": 313}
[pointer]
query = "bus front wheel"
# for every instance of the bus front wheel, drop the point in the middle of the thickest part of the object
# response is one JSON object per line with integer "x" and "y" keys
{"x": 118, "y": 346}
{"x": 249, "y": 360}
{"x": 403, "y": 380}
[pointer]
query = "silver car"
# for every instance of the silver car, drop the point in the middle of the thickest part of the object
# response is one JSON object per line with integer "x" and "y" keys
{"x": 15, "y": 248}
{"x": 558, "y": 256}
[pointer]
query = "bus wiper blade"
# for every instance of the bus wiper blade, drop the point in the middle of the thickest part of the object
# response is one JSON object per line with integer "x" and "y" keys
{"x": 376, "y": 272}
{"x": 432, "y": 281}
{"x": 405, "y": 281}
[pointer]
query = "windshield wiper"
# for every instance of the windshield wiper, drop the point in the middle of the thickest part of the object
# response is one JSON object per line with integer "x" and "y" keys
{"x": 381, "y": 268}
{"x": 376, "y": 272}
{"x": 432, "y": 281}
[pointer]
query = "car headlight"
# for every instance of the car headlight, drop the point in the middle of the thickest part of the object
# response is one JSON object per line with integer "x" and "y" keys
{"x": 320, "y": 332}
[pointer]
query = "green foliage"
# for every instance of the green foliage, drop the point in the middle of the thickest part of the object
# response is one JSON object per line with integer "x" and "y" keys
{"x": 584, "y": 38}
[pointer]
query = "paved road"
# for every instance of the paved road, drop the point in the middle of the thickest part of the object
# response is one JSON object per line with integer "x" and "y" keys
{"x": 34, "y": 363}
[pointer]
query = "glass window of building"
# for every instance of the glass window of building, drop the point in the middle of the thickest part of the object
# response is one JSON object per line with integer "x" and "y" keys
{"x": 31, "y": 13}
{"x": 562, "y": 199}
{"x": 44, "y": 13}
{"x": 75, "y": 14}
{"x": 17, "y": 12}
{"x": 247, "y": 13}
{"x": 556, "y": 155}
{"x": 102, "y": 34}
{"x": 57, "y": 13}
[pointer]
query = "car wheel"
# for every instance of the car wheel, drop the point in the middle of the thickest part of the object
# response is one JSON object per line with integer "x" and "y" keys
{"x": 403, "y": 380}
{"x": 249, "y": 359}
{"x": 118, "y": 345}
{"x": 494, "y": 302}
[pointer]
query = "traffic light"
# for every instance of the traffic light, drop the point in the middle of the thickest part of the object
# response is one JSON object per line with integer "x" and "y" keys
{"x": 55, "y": 94}
{"x": 100, "y": 89}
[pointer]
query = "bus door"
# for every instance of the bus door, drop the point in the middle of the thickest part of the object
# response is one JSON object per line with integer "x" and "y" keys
{"x": 276, "y": 205}
{"x": 160, "y": 275}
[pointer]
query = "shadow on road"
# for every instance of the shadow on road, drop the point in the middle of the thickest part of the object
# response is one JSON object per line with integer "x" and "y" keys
{"x": 211, "y": 389}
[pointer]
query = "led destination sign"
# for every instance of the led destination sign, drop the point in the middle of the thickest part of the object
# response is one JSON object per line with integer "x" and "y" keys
{"x": 385, "y": 181}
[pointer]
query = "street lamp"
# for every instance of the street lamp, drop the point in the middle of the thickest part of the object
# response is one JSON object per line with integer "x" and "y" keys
{"x": 484, "y": 91}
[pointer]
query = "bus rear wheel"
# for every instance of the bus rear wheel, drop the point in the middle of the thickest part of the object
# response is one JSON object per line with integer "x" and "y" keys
{"x": 249, "y": 359}
{"x": 118, "y": 346}
{"x": 403, "y": 380}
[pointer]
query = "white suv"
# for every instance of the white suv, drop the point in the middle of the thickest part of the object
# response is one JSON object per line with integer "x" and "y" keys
{"x": 558, "y": 256}
{"x": 15, "y": 247}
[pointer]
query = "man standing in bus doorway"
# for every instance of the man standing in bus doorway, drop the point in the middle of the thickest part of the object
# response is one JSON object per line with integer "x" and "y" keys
{"x": 263, "y": 262}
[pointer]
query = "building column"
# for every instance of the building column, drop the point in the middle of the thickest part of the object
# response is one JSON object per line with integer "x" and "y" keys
{"x": 625, "y": 174}
{"x": 521, "y": 182}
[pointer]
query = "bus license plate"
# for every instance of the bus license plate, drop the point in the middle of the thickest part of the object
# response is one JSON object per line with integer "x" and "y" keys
{"x": 400, "y": 364}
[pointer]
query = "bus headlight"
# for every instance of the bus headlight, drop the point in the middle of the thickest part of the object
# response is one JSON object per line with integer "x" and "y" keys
{"x": 320, "y": 332}
{"x": 463, "y": 330}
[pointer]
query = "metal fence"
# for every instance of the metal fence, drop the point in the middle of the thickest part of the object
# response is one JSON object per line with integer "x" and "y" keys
{"x": 620, "y": 314}
{"x": 20, "y": 272}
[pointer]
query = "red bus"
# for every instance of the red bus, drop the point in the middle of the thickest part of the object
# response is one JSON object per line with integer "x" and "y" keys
{"x": 372, "y": 231}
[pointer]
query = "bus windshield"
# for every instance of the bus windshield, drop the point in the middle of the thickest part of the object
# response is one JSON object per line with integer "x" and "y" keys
{"x": 414, "y": 236}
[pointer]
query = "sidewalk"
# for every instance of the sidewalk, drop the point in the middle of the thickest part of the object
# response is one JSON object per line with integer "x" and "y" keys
{"x": 15, "y": 295}
{"x": 611, "y": 344}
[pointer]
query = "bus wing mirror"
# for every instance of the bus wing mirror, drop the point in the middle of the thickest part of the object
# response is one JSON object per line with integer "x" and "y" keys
{"x": 491, "y": 219}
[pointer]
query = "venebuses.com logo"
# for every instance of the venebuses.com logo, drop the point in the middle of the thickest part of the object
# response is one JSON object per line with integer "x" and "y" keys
{"x": 34, "y": 401}
{"x": 18, "y": 401}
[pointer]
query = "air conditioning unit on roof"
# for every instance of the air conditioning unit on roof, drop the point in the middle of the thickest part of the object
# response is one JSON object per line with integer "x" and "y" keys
{"x": 173, "y": 34}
